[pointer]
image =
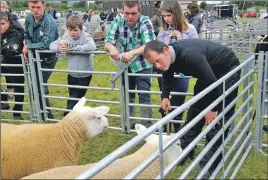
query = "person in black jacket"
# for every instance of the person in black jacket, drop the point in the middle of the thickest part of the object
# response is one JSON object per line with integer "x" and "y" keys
{"x": 11, "y": 48}
{"x": 193, "y": 16}
{"x": 207, "y": 61}
{"x": 52, "y": 12}
{"x": 13, "y": 18}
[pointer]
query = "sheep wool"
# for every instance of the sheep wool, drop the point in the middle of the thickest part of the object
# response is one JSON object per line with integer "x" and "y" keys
{"x": 31, "y": 148}
{"x": 121, "y": 167}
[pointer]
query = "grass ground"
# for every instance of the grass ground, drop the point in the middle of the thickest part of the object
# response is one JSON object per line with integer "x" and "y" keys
{"x": 97, "y": 148}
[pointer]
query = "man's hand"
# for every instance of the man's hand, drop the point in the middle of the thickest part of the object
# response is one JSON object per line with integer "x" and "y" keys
{"x": 165, "y": 104}
{"x": 114, "y": 54}
{"x": 210, "y": 116}
{"x": 25, "y": 52}
{"x": 127, "y": 56}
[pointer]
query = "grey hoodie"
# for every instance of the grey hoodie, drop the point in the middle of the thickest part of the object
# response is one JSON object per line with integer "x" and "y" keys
{"x": 78, "y": 62}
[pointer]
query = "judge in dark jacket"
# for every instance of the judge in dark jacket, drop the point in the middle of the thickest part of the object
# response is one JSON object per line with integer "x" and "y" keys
{"x": 11, "y": 48}
{"x": 207, "y": 61}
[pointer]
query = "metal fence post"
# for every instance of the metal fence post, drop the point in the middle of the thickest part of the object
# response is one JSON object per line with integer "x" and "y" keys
{"x": 246, "y": 69}
{"x": 258, "y": 128}
{"x": 28, "y": 88}
{"x": 40, "y": 76}
{"x": 34, "y": 86}
{"x": 122, "y": 103}
{"x": 126, "y": 84}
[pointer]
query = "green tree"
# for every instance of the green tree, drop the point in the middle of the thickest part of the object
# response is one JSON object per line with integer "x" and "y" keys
{"x": 25, "y": 4}
{"x": 203, "y": 5}
{"x": 64, "y": 5}
{"x": 98, "y": 2}
{"x": 17, "y": 3}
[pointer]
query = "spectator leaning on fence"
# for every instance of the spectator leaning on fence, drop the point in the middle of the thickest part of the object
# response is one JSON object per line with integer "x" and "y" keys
{"x": 207, "y": 61}
{"x": 175, "y": 27}
{"x": 193, "y": 16}
{"x": 11, "y": 48}
{"x": 40, "y": 31}
{"x": 133, "y": 31}
{"x": 76, "y": 40}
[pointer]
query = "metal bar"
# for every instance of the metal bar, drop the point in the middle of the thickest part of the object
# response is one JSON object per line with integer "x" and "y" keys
{"x": 241, "y": 162}
{"x": 122, "y": 105}
{"x": 72, "y": 52}
{"x": 34, "y": 86}
{"x": 258, "y": 127}
{"x": 236, "y": 155}
{"x": 73, "y": 71}
{"x": 80, "y": 87}
{"x": 40, "y": 76}
{"x": 12, "y": 84}
{"x": 88, "y": 100}
{"x": 161, "y": 156}
{"x": 157, "y": 92}
{"x": 126, "y": 85}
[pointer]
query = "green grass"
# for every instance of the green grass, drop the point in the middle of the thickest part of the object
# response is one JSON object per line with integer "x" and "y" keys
{"x": 97, "y": 148}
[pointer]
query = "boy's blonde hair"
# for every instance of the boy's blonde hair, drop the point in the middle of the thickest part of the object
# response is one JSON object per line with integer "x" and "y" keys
{"x": 74, "y": 21}
{"x": 3, "y": 16}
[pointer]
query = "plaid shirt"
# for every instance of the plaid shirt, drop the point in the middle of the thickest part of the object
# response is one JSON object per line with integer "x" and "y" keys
{"x": 132, "y": 38}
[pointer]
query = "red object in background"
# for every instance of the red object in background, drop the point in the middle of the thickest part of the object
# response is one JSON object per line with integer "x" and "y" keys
{"x": 252, "y": 14}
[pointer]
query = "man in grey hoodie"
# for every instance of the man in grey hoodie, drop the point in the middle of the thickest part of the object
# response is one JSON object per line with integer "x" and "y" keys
{"x": 76, "y": 40}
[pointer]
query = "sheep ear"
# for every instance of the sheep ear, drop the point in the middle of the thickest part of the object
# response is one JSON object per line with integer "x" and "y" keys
{"x": 141, "y": 128}
{"x": 101, "y": 110}
{"x": 80, "y": 104}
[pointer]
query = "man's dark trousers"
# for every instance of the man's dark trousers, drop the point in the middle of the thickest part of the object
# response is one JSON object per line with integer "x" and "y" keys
{"x": 195, "y": 109}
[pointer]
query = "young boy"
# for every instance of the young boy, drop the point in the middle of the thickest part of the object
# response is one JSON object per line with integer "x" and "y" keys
{"x": 11, "y": 47}
{"x": 76, "y": 40}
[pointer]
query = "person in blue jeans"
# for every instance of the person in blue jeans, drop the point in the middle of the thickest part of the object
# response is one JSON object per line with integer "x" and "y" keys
{"x": 175, "y": 27}
{"x": 41, "y": 30}
{"x": 132, "y": 31}
{"x": 76, "y": 40}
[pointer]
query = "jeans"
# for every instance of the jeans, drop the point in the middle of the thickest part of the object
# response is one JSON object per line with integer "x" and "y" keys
{"x": 142, "y": 83}
{"x": 179, "y": 85}
{"x": 195, "y": 109}
{"x": 75, "y": 92}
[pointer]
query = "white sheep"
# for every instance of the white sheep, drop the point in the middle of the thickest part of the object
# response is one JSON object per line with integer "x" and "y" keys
{"x": 121, "y": 167}
{"x": 31, "y": 148}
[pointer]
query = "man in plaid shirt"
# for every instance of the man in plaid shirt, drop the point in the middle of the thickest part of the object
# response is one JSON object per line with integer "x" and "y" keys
{"x": 133, "y": 31}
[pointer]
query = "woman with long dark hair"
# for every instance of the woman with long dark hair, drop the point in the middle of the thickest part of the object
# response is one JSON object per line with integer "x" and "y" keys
{"x": 175, "y": 27}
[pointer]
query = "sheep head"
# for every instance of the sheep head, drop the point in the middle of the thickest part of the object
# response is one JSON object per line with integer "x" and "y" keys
{"x": 173, "y": 152}
{"x": 93, "y": 118}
